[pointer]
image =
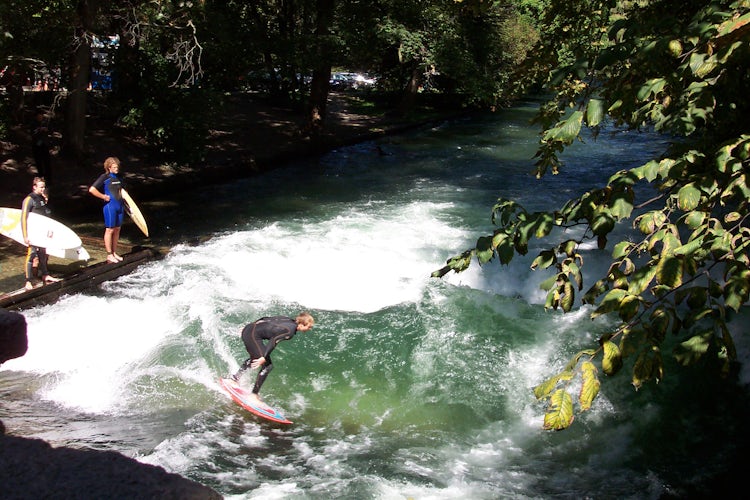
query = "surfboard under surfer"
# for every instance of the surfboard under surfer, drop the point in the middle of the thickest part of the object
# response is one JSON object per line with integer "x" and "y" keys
{"x": 262, "y": 336}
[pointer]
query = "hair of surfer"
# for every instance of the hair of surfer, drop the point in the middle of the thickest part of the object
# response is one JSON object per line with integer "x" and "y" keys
{"x": 305, "y": 318}
{"x": 37, "y": 180}
{"x": 110, "y": 162}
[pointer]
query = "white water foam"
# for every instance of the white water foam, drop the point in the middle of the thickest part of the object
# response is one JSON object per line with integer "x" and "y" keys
{"x": 83, "y": 347}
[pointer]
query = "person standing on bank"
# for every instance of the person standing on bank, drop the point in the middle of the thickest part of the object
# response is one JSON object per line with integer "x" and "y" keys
{"x": 108, "y": 188}
{"x": 40, "y": 144}
{"x": 35, "y": 202}
{"x": 262, "y": 336}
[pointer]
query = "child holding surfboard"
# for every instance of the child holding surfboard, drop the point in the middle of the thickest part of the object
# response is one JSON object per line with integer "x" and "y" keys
{"x": 108, "y": 187}
{"x": 35, "y": 202}
{"x": 261, "y": 337}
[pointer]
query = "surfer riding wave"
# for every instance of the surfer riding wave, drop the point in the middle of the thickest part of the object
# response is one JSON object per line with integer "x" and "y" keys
{"x": 262, "y": 336}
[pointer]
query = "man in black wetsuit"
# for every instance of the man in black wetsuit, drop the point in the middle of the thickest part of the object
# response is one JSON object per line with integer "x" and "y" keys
{"x": 35, "y": 202}
{"x": 262, "y": 336}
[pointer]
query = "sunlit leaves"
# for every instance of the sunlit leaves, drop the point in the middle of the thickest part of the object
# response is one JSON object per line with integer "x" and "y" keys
{"x": 692, "y": 350}
{"x": 669, "y": 271}
{"x": 544, "y": 389}
{"x": 484, "y": 251}
{"x": 560, "y": 413}
{"x": 612, "y": 359}
{"x": 737, "y": 289}
{"x": 688, "y": 197}
{"x": 649, "y": 365}
{"x": 595, "y": 112}
{"x": 680, "y": 275}
{"x": 590, "y": 385}
{"x": 651, "y": 88}
{"x": 649, "y": 222}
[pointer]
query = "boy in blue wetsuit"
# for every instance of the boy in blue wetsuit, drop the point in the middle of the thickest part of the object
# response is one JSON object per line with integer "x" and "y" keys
{"x": 35, "y": 202}
{"x": 108, "y": 187}
{"x": 262, "y": 336}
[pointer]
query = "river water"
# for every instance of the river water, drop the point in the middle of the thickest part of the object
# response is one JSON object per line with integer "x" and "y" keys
{"x": 408, "y": 386}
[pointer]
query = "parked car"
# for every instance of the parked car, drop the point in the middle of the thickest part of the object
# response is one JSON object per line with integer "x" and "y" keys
{"x": 346, "y": 80}
{"x": 342, "y": 81}
{"x": 361, "y": 80}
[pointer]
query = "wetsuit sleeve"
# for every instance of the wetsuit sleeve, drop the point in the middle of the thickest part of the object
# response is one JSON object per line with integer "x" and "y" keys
{"x": 99, "y": 183}
{"x": 281, "y": 332}
{"x": 25, "y": 209}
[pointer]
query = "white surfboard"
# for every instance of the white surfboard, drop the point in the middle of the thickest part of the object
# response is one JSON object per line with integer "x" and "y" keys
{"x": 43, "y": 231}
{"x": 79, "y": 253}
{"x": 134, "y": 212}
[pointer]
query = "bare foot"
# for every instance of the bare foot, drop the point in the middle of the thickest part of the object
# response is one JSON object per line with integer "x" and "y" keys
{"x": 112, "y": 259}
{"x": 119, "y": 259}
{"x": 50, "y": 279}
{"x": 29, "y": 285}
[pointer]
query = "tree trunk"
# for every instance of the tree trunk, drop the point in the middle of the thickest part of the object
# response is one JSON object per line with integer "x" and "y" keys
{"x": 126, "y": 85}
{"x": 322, "y": 70}
{"x": 80, "y": 68}
{"x": 410, "y": 92}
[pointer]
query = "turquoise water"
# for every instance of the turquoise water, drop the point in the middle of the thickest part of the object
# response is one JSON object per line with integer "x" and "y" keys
{"x": 407, "y": 387}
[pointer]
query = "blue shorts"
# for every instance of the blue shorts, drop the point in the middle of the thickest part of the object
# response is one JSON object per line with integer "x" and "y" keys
{"x": 113, "y": 214}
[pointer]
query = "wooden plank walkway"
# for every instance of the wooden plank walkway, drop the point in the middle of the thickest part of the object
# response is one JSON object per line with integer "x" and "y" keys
{"x": 87, "y": 277}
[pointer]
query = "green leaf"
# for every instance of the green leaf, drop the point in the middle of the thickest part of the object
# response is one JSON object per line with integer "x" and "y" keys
{"x": 694, "y": 219}
{"x": 484, "y": 249}
{"x": 559, "y": 415}
{"x": 688, "y": 197}
{"x": 612, "y": 359}
{"x": 669, "y": 271}
{"x": 641, "y": 279}
{"x": 659, "y": 321}
{"x": 651, "y": 87}
{"x": 602, "y": 223}
{"x": 596, "y": 289}
{"x": 548, "y": 283}
{"x": 543, "y": 390}
{"x": 545, "y": 259}
{"x": 568, "y": 296}
{"x": 649, "y": 171}
{"x": 689, "y": 352}
{"x": 649, "y": 365}
{"x": 594, "y": 112}
{"x": 621, "y": 249}
{"x": 611, "y": 302}
{"x": 590, "y": 386}
{"x": 622, "y": 204}
{"x": 566, "y": 131}
{"x": 631, "y": 340}
{"x": 737, "y": 290}
{"x": 650, "y": 221}
{"x": 629, "y": 307}
{"x": 503, "y": 245}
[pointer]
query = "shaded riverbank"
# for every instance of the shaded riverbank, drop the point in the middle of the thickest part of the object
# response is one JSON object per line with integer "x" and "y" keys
{"x": 252, "y": 136}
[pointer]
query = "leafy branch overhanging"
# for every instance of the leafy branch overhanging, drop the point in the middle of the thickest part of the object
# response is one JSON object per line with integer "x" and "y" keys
{"x": 683, "y": 72}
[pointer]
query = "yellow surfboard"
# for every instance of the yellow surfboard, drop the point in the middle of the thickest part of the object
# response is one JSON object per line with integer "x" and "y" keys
{"x": 132, "y": 209}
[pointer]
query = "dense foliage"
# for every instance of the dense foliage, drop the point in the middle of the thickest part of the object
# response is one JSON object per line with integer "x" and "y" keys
{"x": 682, "y": 69}
{"x": 464, "y": 50}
